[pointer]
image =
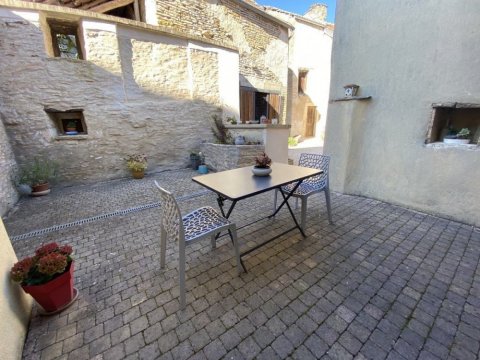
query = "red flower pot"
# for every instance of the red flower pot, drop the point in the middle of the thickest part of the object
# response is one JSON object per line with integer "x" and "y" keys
{"x": 55, "y": 294}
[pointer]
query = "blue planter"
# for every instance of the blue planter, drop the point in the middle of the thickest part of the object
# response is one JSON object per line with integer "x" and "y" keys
{"x": 203, "y": 169}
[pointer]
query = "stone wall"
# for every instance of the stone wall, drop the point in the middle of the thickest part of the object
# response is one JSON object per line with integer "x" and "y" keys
{"x": 221, "y": 157}
{"x": 8, "y": 194}
{"x": 262, "y": 42}
{"x": 141, "y": 91}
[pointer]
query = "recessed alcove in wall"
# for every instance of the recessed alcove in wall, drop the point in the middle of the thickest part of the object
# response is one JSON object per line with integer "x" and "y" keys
{"x": 69, "y": 122}
{"x": 454, "y": 117}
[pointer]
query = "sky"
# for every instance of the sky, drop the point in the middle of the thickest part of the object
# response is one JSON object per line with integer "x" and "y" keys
{"x": 300, "y": 6}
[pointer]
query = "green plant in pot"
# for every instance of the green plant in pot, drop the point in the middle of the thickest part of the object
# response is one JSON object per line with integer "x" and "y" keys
{"x": 71, "y": 127}
{"x": 38, "y": 175}
{"x": 194, "y": 160}
{"x": 137, "y": 164}
{"x": 457, "y": 136}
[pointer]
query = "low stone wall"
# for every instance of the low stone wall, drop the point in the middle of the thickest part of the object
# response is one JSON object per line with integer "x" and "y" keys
{"x": 221, "y": 157}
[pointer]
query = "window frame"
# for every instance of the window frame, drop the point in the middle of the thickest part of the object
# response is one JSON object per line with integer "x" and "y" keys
{"x": 65, "y": 27}
{"x": 248, "y": 101}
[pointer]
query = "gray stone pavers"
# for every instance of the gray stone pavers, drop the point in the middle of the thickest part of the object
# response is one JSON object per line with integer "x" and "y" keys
{"x": 382, "y": 282}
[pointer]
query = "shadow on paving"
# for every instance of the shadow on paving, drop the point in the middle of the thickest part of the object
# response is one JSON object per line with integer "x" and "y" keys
{"x": 383, "y": 281}
{"x": 68, "y": 204}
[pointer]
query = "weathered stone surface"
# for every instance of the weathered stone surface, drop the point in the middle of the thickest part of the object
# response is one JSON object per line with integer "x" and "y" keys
{"x": 140, "y": 91}
{"x": 262, "y": 42}
{"x": 221, "y": 157}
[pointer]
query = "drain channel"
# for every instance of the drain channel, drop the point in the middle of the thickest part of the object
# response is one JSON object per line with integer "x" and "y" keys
{"x": 103, "y": 216}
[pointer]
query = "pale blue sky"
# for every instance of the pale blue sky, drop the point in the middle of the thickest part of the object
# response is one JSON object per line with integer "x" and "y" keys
{"x": 300, "y": 6}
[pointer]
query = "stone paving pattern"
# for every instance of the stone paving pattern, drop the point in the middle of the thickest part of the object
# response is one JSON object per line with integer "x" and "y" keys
{"x": 383, "y": 282}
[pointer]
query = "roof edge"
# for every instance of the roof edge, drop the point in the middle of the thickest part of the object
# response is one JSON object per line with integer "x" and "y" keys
{"x": 86, "y": 14}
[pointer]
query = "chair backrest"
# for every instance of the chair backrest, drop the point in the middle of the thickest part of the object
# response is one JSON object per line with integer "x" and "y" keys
{"x": 171, "y": 216}
{"x": 316, "y": 161}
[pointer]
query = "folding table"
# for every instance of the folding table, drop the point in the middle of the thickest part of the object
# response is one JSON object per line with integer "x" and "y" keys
{"x": 240, "y": 184}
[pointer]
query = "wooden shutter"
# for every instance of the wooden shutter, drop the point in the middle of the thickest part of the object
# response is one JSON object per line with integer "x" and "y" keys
{"x": 312, "y": 116}
{"x": 302, "y": 81}
{"x": 247, "y": 105}
{"x": 273, "y": 106}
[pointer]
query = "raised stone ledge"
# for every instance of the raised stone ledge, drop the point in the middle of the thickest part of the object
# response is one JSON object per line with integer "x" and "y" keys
{"x": 221, "y": 157}
{"x": 71, "y": 137}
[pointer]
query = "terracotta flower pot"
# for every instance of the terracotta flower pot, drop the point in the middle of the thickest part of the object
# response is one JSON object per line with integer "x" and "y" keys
{"x": 138, "y": 174}
{"x": 55, "y": 294}
{"x": 40, "y": 189}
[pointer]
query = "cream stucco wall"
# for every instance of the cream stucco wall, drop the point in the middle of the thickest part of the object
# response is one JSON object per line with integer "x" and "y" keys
{"x": 406, "y": 55}
{"x": 310, "y": 48}
{"x": 15, "y": 305}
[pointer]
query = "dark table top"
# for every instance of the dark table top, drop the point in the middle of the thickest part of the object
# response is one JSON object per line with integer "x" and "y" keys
{"x": 240, "y": 183}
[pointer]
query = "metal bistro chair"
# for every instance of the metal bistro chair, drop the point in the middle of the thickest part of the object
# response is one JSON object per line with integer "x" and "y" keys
{"x": 311, "y": 185}
{"x": 197, "y": 225}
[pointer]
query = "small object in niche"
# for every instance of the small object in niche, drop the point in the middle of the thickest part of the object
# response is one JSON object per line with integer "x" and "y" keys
{"x": 274, "y": 121}
{"x": 457, "y": 136}
{"x": 351, "y": 90}
{"x": 71, "y": 132}
{"x": 263, "y": 119}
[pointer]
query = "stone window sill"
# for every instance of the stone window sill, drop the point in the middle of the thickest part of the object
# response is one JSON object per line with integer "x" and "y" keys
{"x": 71, "y": 137}
{"x": 441, "y": 145}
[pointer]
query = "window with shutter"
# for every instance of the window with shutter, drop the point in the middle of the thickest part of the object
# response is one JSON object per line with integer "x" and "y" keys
{"x": 302, "y": 82}
{"x": 254, "y": 104}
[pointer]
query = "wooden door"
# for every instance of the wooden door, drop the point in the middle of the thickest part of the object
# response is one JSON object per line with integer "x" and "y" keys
{"x": 312, "y": 116}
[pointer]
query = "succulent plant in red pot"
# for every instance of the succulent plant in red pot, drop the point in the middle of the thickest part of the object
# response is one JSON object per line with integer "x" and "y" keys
{"x": 48, "y": 276}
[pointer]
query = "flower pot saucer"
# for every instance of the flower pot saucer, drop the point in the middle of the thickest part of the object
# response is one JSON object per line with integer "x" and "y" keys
{"x": 42, "y": 312}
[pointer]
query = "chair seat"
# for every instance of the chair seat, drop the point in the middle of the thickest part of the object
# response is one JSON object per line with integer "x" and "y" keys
{"x": 202, "y": 222}
{"x": 303, "y": 189}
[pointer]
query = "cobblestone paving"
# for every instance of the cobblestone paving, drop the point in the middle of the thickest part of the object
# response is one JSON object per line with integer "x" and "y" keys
{"x": 382, "y": 282}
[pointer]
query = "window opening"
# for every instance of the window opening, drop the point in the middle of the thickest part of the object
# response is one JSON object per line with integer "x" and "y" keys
{"x": 69, "y": 122}
{"x": 255, "y": 104}
{"x": 65, "y": 40}
{"x": 448, "y": 120}
{"x": 302, "y": 81}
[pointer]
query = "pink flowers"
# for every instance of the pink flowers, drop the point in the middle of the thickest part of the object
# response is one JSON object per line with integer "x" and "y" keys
{"x": 50, "y": 260}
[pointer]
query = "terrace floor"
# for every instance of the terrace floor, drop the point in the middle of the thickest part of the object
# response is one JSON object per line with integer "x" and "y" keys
{"x": 382, "y": 282}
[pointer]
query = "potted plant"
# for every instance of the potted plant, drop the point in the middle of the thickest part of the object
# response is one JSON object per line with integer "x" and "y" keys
{"x": 194, "y": 160}
{"x": 202, "y": 168}
{"x": 37, "y": 175}
{"x": 262, "y": 165}
{"x": 232, "y": 120}
{"x": 457, "y": 137}
{"x": 71, "y": 128}
{"x": 137, "y": 164}
{"x": 48, "y": 277}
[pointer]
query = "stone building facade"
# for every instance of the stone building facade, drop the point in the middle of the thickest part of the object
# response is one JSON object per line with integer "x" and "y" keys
{"x": 310, "y": 48}
{"x": 138, "y": 90}
{"x": 261, "y": 40}
{"x": 137, "y": 87}
{"x": 421, "y": 76}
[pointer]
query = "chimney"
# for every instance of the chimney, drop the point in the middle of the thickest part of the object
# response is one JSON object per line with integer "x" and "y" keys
{"x": 317, "y": 12}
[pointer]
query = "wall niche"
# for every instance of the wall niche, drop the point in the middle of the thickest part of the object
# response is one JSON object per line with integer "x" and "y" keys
{"x": 68, "y": 123}
{"x": 448, "y": 118}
